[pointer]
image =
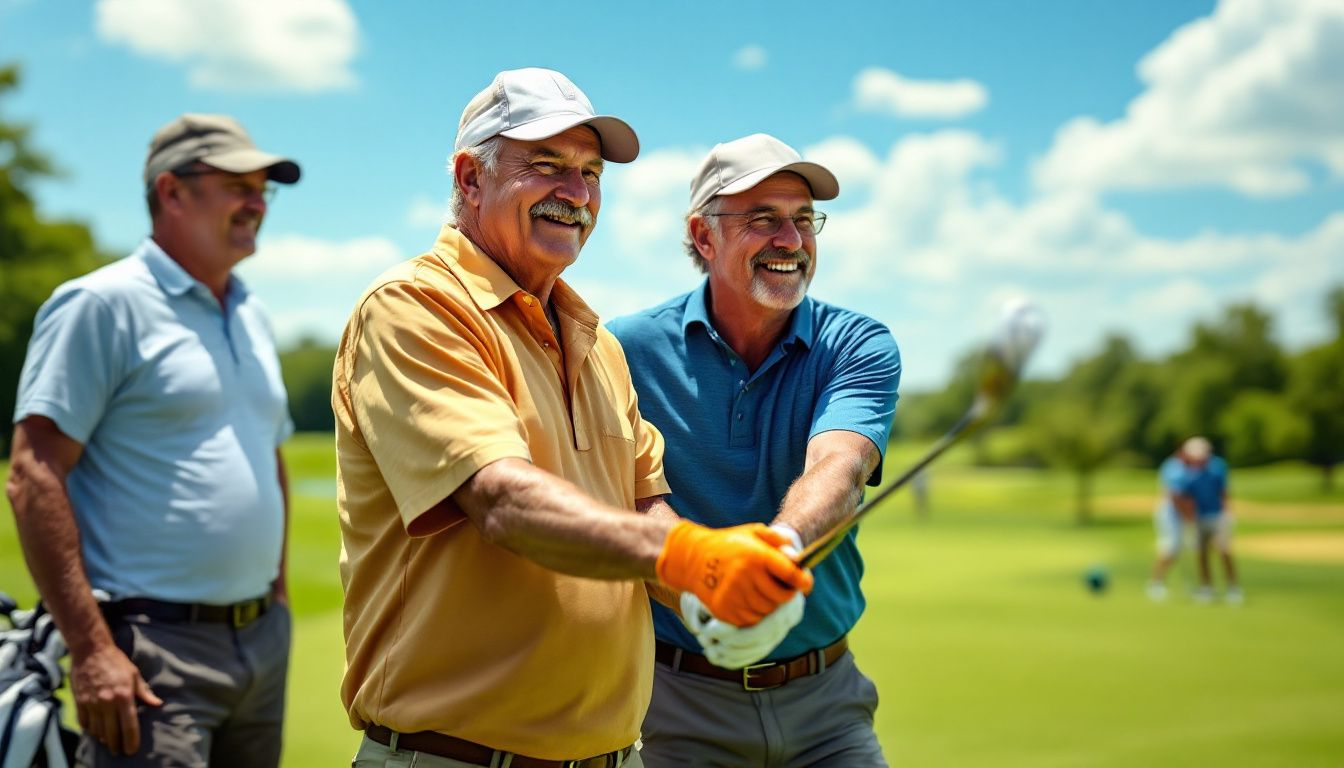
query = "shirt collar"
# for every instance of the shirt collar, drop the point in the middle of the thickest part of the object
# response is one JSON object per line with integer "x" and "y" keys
{"x": 489, "y": 285}
{"x": 175, "y": 281}
{"x": 799, "y": 328}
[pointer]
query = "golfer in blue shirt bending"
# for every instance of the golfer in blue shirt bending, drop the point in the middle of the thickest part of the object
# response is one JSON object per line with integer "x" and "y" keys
{"x": 776, "y": 408}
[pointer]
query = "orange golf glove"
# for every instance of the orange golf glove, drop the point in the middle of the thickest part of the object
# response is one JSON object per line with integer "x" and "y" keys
{"x": 738, "y": 573}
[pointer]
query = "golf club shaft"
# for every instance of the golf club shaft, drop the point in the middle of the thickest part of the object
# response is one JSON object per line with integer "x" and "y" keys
{"x": 821, "y": 546}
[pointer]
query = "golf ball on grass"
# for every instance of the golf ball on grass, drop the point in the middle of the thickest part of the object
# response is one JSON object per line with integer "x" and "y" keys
{"x": 1096, "y": 580}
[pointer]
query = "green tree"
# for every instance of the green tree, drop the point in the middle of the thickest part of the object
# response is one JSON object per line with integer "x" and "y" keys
{"x": 1316, "y": 392}
{"x": 1078, "y": 433}
{"x": 306, "y": 369}
{"x": 36, "y": 254}
{"x": 1258, "y": 427}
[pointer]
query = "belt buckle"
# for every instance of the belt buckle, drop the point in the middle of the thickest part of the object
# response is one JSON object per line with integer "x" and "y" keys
{"x": 242, "y": 614}
{"x": 746, "y": 677}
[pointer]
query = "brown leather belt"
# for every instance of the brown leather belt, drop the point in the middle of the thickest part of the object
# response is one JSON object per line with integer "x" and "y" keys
{"x": 757, "y": 677}
{"x": 443, "y": 745}
{"x": 236, "y": 615}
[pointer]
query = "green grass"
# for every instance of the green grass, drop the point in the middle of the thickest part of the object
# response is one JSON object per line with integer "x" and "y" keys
{"x": 986, "y": 648}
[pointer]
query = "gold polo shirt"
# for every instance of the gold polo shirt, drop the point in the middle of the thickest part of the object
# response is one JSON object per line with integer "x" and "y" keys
{"x": 445, "y": 366}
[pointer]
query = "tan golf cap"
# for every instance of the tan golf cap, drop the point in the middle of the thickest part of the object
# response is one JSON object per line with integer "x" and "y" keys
{"x": 1197, "y": 448}
{"x": 532, "y": 104}
{"x": 220, "y": 142}
{"x": 737, "y": 166}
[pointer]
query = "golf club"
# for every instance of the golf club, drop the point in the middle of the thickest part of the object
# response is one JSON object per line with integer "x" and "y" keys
{"x": 1017, "y": 335}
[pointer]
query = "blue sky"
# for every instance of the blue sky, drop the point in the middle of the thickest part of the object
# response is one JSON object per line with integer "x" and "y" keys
{"x": 1131, "y": 166}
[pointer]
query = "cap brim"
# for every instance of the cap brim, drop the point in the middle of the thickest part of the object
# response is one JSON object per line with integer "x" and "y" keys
{"x": 619, "y": 142}
{"x": 822, "y": 182}
{"x": 277, "y": 168}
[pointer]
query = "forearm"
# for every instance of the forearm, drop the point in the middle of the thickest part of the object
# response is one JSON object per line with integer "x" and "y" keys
{"x": 50, "y": 540}
{"x": 657, "y": 507}
{"x": 827, "y": 493}
{"x": 553, "y": 523}
{"x": 280, "y": 587}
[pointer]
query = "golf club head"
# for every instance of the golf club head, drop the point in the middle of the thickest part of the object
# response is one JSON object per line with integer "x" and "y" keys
{"x": 1021, "y": 326}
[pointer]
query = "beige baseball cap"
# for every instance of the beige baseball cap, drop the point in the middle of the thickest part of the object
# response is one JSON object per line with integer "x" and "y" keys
{"x": 532, "y": 104}
{"x": 1197, "y": 448}
{"x": 220, "y": 142}
{"x": 737, "y": 166}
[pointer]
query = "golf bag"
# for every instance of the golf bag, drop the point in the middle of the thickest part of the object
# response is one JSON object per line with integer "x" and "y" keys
{"x": 31, "y": 650}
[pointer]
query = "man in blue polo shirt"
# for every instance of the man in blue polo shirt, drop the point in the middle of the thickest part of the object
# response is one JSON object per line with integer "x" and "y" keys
{"x": 775, "y": 408}
{"x": 146, "y": 465}
{"x": 1194, "y": 496}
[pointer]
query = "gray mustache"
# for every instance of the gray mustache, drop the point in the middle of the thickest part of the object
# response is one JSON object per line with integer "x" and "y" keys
{"x": 779, "y": 254}
{"x": 561, "y": 211}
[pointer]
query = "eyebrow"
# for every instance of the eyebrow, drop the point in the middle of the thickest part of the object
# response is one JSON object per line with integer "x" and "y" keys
{"x": 775, "y": 210}
{"x": 550, "y": 153}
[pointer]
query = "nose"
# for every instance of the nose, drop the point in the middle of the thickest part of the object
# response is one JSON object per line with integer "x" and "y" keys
{"x": 574, "y": 189}
{"x": 788, "y": 237}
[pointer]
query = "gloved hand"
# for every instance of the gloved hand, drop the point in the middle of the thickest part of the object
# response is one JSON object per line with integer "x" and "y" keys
{"x": 733, "y": 647}
{"x": 739, "y": 573}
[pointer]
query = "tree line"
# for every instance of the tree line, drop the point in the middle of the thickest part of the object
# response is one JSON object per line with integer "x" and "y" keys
{"x": 1232, "y": 382}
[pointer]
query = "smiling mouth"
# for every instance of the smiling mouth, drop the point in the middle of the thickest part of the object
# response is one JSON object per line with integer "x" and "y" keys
{"x": 572, "y": 224}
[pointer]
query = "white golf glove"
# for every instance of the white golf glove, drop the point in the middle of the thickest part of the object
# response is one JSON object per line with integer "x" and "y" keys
{"x": 733, "y": 647}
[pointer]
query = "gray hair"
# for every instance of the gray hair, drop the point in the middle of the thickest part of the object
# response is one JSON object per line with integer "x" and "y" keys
{"x": 487, "y": 155}
{"x": 715, "y": 205}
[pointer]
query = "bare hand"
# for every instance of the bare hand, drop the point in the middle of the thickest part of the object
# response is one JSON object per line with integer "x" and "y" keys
{"x": 106, "y": 686}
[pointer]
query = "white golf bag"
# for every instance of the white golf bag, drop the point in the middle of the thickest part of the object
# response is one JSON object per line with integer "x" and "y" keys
{"x": 31, "y": 650}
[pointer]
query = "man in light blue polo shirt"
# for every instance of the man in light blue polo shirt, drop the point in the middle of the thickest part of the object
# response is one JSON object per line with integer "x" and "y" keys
{"x": 776, "y": 408}
{"x": 146, "y": 465}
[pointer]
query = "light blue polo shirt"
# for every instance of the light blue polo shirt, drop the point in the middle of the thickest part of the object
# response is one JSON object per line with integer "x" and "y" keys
{"x": 736, "y": 442}
{"x": 180, "y": 407}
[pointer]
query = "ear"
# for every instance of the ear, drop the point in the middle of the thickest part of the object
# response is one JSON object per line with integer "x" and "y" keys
{"x": 702, "y": 236}
{"x": 468, "y": 173}
{"x": 169, "y": 188}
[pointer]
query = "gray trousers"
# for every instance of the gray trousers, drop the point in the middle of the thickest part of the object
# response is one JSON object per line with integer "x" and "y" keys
{"x": 374, "y": 755}
{"x": 223, "y": 692}
{"x": 822, "y": 720}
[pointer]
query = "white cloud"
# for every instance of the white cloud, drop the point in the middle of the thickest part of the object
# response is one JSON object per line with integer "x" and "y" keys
{"x": 881, "y": 90}
{"x": 426, "y": 213}
{"x": 1242, "y": 99}
{"x": 750, "y": 58}
{"x": 309, "y": 285}
{"x": 929, "y": 246}
{"x": 850, "y": 161}
{"x": 295, "y": 45}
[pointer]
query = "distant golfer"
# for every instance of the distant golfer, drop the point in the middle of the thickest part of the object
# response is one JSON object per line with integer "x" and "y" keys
{"x": 146, "y": 464}
{"x": 1194, "y": 498}
{"x": 776, "y": 409}
{"x": 493, "y": 468}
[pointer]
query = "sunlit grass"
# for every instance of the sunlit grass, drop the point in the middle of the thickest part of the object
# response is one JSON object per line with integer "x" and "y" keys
{"x": 986, "y": 646}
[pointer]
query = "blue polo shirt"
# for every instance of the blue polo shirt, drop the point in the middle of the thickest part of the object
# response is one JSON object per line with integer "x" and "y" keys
{"x": 1205, "y": 485}
{"x": 737, "y": 441}
{"x": 180, "y": 406}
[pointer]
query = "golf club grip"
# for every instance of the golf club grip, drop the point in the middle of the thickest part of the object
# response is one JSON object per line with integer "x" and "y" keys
{"x": 823, "y": 545}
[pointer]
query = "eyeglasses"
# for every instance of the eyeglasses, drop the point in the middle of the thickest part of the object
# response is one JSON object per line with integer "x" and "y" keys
{"x": 766, "y": 223}
{"x": 236, "y": 187}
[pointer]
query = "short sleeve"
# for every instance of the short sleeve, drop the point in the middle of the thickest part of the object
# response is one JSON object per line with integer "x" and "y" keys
{"x": 75, "y": 362}
{"x": 427, "y": 394}
{"x": 859, "y": 395}
{"x": 649, "y": 446}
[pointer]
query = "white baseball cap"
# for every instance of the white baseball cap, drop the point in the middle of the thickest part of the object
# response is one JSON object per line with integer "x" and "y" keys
{"x": 532, "y": 104}
{"x": 1197, "y": 448}
{"x": 739, "y": 165}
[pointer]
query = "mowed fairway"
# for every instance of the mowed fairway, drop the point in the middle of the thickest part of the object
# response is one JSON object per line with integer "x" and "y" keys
{"x": 985, "y": 644}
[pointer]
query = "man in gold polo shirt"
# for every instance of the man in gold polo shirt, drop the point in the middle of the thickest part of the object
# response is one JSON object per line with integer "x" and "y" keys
{"x": 500, "y": 496}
